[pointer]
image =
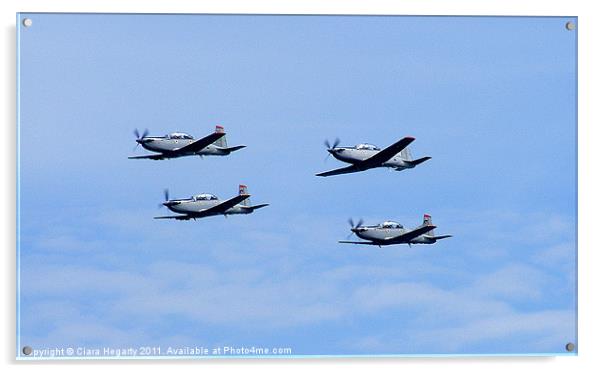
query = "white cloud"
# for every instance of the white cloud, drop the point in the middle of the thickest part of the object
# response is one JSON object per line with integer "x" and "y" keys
{"x": 512, "y": 282}
{"x": 543, "y": 331}
{"x": 557, "y": 257}
{"x": 269, "y": 284}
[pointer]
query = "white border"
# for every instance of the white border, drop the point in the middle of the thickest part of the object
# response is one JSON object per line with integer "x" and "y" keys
{"x": 589, "y": 181}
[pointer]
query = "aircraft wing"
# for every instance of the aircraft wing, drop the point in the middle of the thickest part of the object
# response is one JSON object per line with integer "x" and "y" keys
{"x": 217, "y": 209}
{"x": 339, "y": 171}
{"x": 412, "y": 234}
{"x": 200, "y": 143}
{"x": 222, "y": 207}
{"x": 177, "y": 217}
{"x": 385, "y": 154}
{"x": 149, "y": 156}
{"x": 359, "y": 242}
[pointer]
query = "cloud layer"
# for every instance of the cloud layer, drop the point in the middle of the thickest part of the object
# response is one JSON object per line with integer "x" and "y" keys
{"x": 400, "y": 300}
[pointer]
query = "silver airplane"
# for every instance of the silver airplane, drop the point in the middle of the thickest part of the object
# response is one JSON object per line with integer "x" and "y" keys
{"x": 393, "y": 233}
{"x": 365, "y": 156}
{"x": 180, "y": 144}
{"x": 204, "y": 205}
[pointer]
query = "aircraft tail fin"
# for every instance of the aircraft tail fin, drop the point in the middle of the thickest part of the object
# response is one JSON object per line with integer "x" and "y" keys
{"x": 418, "y": 161}
{"x": 427, "y": 220}
{"x": 406, "y": 154}
{"x": 221, "y": 142}
{"x": 243, "y": 190}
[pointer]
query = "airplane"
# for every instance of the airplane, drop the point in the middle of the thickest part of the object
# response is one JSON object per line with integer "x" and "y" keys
{"x": 205, "y": 204}
{"x": 393, "y": 233}
{"x": 365, "y": 156}
{"x": 179, "y": 144}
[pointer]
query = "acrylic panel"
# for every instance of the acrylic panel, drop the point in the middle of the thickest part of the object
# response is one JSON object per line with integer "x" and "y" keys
{"x": 176, "y": 199}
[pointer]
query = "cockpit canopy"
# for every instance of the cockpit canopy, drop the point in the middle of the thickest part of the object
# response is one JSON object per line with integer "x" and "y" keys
{"x": 204, "y": 197}
{"x": 366, "y": 147}
{"x": 391, "y": 225}
{"x": 179, "y": 135}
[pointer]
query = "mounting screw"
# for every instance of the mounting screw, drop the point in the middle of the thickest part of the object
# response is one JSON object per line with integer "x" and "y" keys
{"x": 27, "y": 350}
{"x": 27, "y": 22}
{"x": 569, "y": 347}
{"x": 570, "y": 26}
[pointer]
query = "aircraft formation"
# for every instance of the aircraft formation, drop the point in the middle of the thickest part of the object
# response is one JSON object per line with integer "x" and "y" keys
{"x": 179, "y": 144}
{"x": 361, "y": 157}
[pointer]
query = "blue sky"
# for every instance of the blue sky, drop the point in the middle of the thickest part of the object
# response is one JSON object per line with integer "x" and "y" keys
{"x": 492, "y": 100}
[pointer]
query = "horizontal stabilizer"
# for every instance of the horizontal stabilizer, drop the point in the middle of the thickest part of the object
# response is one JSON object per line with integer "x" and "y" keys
{"x": 235, "y": 148}
{"x": 155, "y": 157}
{"x": 359, "y": 242}
{"x": 177, "y": 217}
{"x": 256, "y": 207}
{"x": 418, "y": 161}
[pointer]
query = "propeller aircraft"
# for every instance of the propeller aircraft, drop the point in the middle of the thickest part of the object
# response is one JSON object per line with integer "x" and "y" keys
{"x": 393, "y": 233}
{"x": 205, "y": 204}
{"x": 179, "y": 144}
{"x": 365, "y": 156}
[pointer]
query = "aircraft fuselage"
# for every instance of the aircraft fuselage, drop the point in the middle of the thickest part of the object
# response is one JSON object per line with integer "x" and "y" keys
{"x": 353, "y": 156}
{"x": 382, "y": 236}
{"x": 188, "y": 206}
{"x": 165, "y": 145}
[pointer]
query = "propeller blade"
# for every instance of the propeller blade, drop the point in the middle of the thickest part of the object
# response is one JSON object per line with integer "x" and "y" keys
{"x": 336, "y": 143}
{"x": 166, "y": 194}
{"x": 137, "y": 134}
{"x": 350, "y": 221}
{"x": 359, "y": 223}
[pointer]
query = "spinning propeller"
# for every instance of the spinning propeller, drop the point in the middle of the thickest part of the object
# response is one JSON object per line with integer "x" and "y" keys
{"x": 166, "y": 196}
{"x": 354, "y": 227}
{"x": 140, "y": 139}
{"x": 331, "y": 148}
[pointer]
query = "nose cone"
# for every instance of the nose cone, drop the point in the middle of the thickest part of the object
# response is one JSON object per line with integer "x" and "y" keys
{"x": 358, "y": 230}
